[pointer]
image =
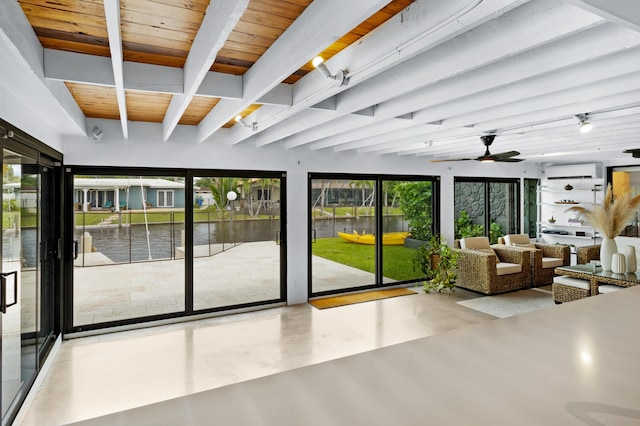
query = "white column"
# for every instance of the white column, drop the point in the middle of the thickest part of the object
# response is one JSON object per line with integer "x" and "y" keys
{"x": 85, "y": 200}
{"x": 116, "y": 199}
{"x": 297, "y": 238}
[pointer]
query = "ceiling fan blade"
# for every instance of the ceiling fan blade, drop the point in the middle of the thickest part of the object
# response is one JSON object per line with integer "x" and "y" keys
{"x": 510, "y": 160}
{"x": 506, "y": 154}
{"x": 450, "y": 159}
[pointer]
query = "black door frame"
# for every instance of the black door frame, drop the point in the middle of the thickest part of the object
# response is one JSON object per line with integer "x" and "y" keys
{"x": 378, "y": 225}
{"x": 50, "y": 272}
{"x": 188, "y": 175}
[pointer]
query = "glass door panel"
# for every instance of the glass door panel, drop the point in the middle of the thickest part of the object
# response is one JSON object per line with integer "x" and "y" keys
{"x": 130, "y": 242}
{"x": 488, "y": 207}
{"x": 504, "y": 209}
{"x": 20, "y": 280}
{"x": 236, "y": 241}
{"x": 470, "y": 209}
{"x": 406, "y": 206}
{"x": 343, "y": 226}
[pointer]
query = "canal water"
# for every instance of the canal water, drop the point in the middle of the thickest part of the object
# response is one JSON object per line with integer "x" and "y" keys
{"x": 114, "y": 242}
{"x": 130, "y": 244}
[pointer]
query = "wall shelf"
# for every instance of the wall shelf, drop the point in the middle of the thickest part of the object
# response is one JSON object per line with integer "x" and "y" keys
{"x": 551, "y": 193}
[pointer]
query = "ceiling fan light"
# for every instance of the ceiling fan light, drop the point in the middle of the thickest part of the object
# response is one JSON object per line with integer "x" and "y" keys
{"x": 488, "y": 160}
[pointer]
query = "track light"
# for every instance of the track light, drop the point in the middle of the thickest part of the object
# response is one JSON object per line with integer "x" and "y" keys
{"x": 253, "y": 126}
{"x": 340, "y": 77}
{"x": 97, "y": 134}
{"x": 584, "y": 125}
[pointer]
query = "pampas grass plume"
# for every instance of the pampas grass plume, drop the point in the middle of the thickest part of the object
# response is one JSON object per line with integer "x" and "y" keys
{"x": 610, "y": 217}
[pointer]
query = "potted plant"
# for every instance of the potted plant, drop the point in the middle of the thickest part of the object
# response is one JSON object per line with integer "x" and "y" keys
{"x": 436, "y": 262}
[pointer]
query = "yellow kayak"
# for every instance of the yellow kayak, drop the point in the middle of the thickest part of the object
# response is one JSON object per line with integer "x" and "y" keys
{"x": 388, "y": 239}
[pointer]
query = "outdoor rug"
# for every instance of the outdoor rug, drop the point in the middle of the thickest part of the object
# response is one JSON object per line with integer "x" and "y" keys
{"x": 509, "y": 304}
{"x": 349, "y": 299}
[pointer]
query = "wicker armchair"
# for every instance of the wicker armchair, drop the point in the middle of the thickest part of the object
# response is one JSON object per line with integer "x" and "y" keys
{"x": 544, "y": 257}
{"x": 586, "y": 254}
{"x": 485, "y": 272}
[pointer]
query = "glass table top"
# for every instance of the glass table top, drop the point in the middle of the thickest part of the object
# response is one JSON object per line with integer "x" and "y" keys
{"x": 593, "y": 269}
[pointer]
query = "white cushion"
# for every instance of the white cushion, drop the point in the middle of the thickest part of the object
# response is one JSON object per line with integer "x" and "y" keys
{"x": 513, "y": 239}
{"x": 572, "y": 282}
{"x": 551, "y": 262}
{"x": 608, "y": 288}
{"x": 475, "y": 243}
{"x": 506, "y": 268}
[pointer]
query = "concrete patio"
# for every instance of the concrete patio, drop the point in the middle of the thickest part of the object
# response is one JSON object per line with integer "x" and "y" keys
{"x": 110, "y": 292}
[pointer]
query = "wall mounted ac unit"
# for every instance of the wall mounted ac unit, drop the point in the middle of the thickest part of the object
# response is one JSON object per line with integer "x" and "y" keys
{"x": 574, "y": 171}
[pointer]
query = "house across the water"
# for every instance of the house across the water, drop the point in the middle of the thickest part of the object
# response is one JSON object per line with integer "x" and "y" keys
{"x": 127, "y": 193}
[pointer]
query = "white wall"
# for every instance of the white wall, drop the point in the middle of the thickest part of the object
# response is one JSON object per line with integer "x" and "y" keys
{"x": 145, "y": 148}
{"x": 14, "y": 111}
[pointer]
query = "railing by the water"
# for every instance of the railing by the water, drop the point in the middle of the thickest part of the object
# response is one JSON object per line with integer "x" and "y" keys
{"x": 122, "y": 237}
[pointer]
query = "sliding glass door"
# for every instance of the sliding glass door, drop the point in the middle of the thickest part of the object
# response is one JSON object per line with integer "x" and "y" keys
{"x": 359, "y": 227}
{"x": 171, "y": 243}
{"x": 237, "y": 248}
{"x": 343, "y": 226}
{"x": 128, "y": 232}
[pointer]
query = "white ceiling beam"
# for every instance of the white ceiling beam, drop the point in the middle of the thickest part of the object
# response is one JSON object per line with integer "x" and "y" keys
{"x": 425, "y": 139}
{"x": 623, "y": 12}
{"x": 96, "y": 70}
{"x": 571, "y": 101}
{"x": 576, "y": 49}
{"x": 348, "y": 124}
{"x": 220, "y": 19}
{"x": 112, "y": 16}
{"x": 520, "y": 72}
{"x": 422, "y": 25}
{"x": 520, "y": 119}
{"x": 315, "y": 29}
{"x": 581, "y": 77}
{"x": 22, "y": 73}
{"x": 304, "y": 120}
{"x": 385, "y": 137}
{"x": 282, "y": 94}
{"x": 502, "y": 38}
{"x": 512, "y": 33}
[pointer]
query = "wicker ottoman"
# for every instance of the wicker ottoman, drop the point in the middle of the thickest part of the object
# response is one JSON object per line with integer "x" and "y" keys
{"x": 568, "y": 289}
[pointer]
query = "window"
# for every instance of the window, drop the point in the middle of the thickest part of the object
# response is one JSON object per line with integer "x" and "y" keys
{"x": 165, "y": 198}
{"x": 488, "y": 207}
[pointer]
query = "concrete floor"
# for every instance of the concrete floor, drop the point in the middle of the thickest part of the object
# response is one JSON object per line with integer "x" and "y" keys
{"x": 97, "y": 375}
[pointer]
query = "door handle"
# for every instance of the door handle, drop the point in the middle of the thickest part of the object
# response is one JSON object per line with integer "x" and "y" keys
{"x": 313, "y": 235}
{"x": 76, "y": 249}
{"x": 3, "y": 290}
{"x": 278, "y": 237}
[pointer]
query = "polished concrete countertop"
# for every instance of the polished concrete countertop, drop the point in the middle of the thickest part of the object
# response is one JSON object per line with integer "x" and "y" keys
{"x": 573, "y": 364}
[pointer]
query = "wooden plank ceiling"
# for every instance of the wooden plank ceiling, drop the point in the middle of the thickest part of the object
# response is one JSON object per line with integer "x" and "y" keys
{"x": 161, "y": 32}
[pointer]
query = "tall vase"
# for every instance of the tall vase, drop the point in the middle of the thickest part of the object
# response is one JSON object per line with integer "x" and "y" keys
{"x": 607, "y": 249}
{"x": 630, "y": 258}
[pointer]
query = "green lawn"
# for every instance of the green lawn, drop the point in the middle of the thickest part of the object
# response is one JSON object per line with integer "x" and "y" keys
{"x": 397, "y": 260}
{"x": 356, "y": 211}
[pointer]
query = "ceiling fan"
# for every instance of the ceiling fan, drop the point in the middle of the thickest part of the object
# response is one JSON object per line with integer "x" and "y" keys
{"x": 487, "y": 157}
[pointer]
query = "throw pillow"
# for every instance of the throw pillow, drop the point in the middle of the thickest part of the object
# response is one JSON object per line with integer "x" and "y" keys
{"x": 490, "y": 251}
